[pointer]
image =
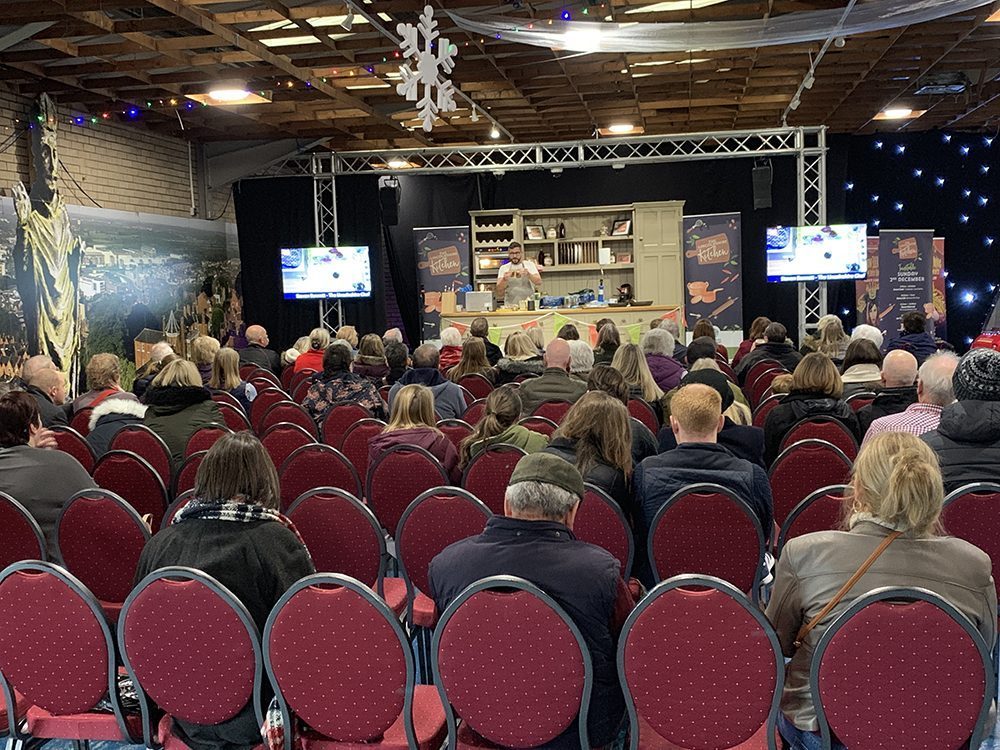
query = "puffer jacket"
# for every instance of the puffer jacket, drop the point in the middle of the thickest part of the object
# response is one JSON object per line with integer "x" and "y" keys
{"x": 666, "y": 371}
{"x": 967, "y": 443}
{"x": 108, "y": 417}
{"x": 175, "y": 413}
{"x": 508, "y": 370}
{"x": 797, "y": 406}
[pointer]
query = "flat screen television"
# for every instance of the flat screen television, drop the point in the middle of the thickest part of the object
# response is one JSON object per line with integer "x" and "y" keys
{"x": 325, "y": 272}
{"x": 838, "y": 251}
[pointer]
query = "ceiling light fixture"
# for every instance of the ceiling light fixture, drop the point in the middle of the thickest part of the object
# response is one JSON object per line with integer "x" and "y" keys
{"x": 620, "y": 128}
{"x": 495, "y": 133}
{"x": 348, "y": 21}
{"x": 899, "y": 113}
{"x": 399, "y": 164}
{"x": 227, "y": 92}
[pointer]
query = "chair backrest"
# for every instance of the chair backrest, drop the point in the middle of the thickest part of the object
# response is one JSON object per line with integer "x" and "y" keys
{"x": 526, "y": 376}
{"x": 705, "y": 529}
{"x": 504, "y": 648}
{"x": 829, "y": 429}
{"x": 642, "y": 411}
{"x": 298, "y": 378}
{"x": 132, "y": 478}
{"x": 286, "y": 378}
{"x": 72, "y": 442}
{"x": 727, "y": 370}
{"x": 300, "y": 390}
{"x": 478, "y": 385}
{"x": 282, "y": 439}
{"x": 81, "y": 420}
{"x": 264, "y": 401}
{"x": 204, "y": 438}
{"x": 764, "y": 408}
{"x": 187, "y": 473}
{"x": 434, "y": 520}
{"x": 467, "y": 395}
{"x": 261, "y": 379}
{"x": 146, "y": 444}
{"x": 234, "y": 416}
{"x": 759, "y": 367}
{"x": 383, "y": 392}
{"x": 21, "y": 537}
{"x": 398, "y": 476}
{"x": 474, "y": 412}
{"x": 488, "y": 474}
{"x": 313, "y": 466}
{"x": 339, "y": 419}
{"x": 222, "y": 397}
{"x": 99, "y": 538}
{"x": 190, "y": 647}
{"x": 355, "y": 442}
{"x": 803, "y": 468}
{"x": 600, "y": 521}
{"x": 755, "y": 392}
{"x": 933, "y": 671}
{"x": 288, "y": 412}
{"x": 456, "y": 430}
{"x": 328, "y": 640}
{"x": 711, "y": 643}
{"x": 247, "y": 370}
{"x": 553, "y": 409}
{"x": 822, "y": 510}
{"x": 540, "y": 425}
{"x": 860, "y": 400}
{"x": 972, "y": 513}
{"x": 175, "y": 507}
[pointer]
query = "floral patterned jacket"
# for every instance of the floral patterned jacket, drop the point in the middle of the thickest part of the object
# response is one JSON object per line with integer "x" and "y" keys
{"x": 340, "y": 388}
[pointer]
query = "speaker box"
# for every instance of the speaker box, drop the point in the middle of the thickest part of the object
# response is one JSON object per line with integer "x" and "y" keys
{"x": 388, "y": 198}
{"x": 762, "y": 186}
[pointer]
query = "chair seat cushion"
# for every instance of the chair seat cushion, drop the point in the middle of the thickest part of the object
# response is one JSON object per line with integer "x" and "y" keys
{"x": 21, "y": 705}
{"x": 394, "y": 592}
{"x": 429, "y": 723}
{"x": 425, "y": 614}
{"x": 650, "y": 740}
{"x": 171, "y": 741}
{"x": 112, "y": 610}
{"x": 88, "y": 726}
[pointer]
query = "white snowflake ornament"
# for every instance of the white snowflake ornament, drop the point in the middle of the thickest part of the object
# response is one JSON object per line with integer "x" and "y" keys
{"x": 438, "y": 93}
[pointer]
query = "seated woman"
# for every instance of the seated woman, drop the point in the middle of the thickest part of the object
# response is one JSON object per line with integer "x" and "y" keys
{"x": 608, "y": 341}
{"x": 370, "y": 362}
{"x": 704, "y": 327}
{"x": 312, "y": 357}
{"x": 631, "y": 363}
{"x": 499, "y": 425}
{"x": 569, "y": 332}
{"x": 397, "y": 359}
{"x": 232, "y": 531}
{"x": 178, "y": 406}
{"x": 520, "y": 358}
{"x": 203, "y": 350}
{"x": 756, "y": 337}
{"x": 226, "y": 378}
{"x": 413, "y": 422}
{"x": 609, "y": 380}
{"x": 862, "y": 368}
{"x": 350, "y": 335}
{"x": 451, "y": 349}
{"x": 473, "y": 362}
{"x": 816, "y": 392}
{"x": 581, "y": 359}
{"x": 829, "y": 339}
{"x": 895, "y": 486}
{"x": 104, "y": 374}
{"x": 338, "y": 385}
{"x": 596, "y": 437}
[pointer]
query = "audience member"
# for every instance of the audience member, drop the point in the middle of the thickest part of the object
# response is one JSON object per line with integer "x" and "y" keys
{"x": 499, "y": 426}
{"x": 291, "y": 354}
{"x": 451, "y": 349}
{"x": 865, "y": 331}
{"x": 569, "y": 332}
{"x": 609, "y": 380}
{"x": 370, "y": 362}
{"x": 595, "y": 436}
{"x": 704, "y": 327}
{"x": 392, "y": 335}
{"x": 755, "y": 337}
{"x": 397, "y": 358}
{"x": 862, "y": 368}
{"x": 739, "y": 410}
{"x": 338, "y": 385}
{"x": 104, "y": 374}
{"x": 257, "y": 353}
{"x": 48, "y": 387}
{"x": 816, "y": 392}
{"x": 39, "y": 478}
{"x": 914, "y": 337}
{"x": 632, "y": 365}
{"x": 534, "y": 540}
{"x": 670, "y": 326}
{"x": 829, "y": 339}
{"x": 782, "y": 384}
{"x": 934, "y": 392}
{"x": 776, "y": 346}
{"x": 178, "y": 406}
{"x": 312, "y": 358}
{"x": 480, "y": 329}
{"x": 144, "y": 375}
{"x": 520, "y": 358}
{"x": 412, "y": 422}
{"x": 473, "y": 362}
{"x": 108, "y": 417}
{"x": 203, "y": 350}
{"x": 537, "y": 338}
{"x": 608, "y": 341}
{"x": 897, "y": 389}
{"x": 703, "y": 350}
{"x": 226, "y": 378}
{"x": 581, "y": 359}
{"x": 967, "y": 440}
{"x": 449, "y": 401}
{"x": 232, "y": 530}
{"x": 350, "y": 335}
{"x": 554, "y": 384}
{"x": 658, "y": 346}
{"x": 895, "y": 488}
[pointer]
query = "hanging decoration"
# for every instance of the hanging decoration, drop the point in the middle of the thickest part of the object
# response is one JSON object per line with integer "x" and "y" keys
{"x": 433, "y": 60}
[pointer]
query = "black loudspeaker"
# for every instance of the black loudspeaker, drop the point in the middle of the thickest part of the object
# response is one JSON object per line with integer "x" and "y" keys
{"x": 762, "y": 186}
{"x": 388, "y": 198}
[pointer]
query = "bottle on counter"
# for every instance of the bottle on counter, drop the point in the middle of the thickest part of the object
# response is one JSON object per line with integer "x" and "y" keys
{"x": 600, "y": 291}
{"x": 562, "y": 230}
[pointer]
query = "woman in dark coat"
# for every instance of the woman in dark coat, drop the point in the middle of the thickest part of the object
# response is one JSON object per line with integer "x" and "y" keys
{"x": 178, "y": 406}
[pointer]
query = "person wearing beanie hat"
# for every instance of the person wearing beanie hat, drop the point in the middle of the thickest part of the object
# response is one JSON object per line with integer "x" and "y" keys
{"x": 535, "y": 541}
{"x": 967, "y": 440}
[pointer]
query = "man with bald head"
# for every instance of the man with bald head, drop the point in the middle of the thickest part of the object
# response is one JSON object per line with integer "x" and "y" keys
{"x": 257, "y": 353}
{"x": 449, "y": 401}
{"x": 554, "y": 384}
{"x": 898, "y": 391}
{"x": 48, "y": 387}
{"x": 934, "y": 392}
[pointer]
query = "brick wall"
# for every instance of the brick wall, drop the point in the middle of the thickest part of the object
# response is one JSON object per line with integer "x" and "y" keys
{"x": 120, "y": 165}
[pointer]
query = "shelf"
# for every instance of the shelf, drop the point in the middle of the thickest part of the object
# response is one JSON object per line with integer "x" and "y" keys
{"x": 569, "y": 268}
{"x": 605, "y": 238}
{"x": 483, "y": 245}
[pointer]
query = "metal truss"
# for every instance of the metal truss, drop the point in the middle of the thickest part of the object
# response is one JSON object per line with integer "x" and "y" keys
{"x": 331, "y": 313}
{"x": 811, "y": 190}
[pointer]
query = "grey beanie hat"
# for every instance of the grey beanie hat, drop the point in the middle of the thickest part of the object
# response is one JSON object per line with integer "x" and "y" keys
{"x": 977, "y": 377}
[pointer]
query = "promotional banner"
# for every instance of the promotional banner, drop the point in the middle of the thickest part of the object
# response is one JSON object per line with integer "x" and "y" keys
{"x": 712, "y": 269}
{"x": 443, "y": 265}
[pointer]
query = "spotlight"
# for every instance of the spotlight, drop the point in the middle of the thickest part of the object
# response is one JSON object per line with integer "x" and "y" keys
{"x": 348, "y": 22}
{"x": 839, "y": 42}
{"x": 494, "y": 133}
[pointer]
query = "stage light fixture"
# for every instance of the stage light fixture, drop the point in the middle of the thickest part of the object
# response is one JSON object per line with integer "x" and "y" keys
{"x": 899, "y": 113}
{"x": 494, "y": 133}
{"x": 348, "y": 23}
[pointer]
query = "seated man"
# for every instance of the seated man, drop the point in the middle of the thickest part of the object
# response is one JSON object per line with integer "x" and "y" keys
{"x": 776, "y": 346}
{"x": 535, "y": 541}
{"x": 696, "y": 418}
{"x": 257, "y": 353}
{"x": 47, "y": 386}
{"x": 449, "y": 402}
{"x": 555, "y": 383}
{"x": 934, "y": 392}
{"x": 898, "y": 391}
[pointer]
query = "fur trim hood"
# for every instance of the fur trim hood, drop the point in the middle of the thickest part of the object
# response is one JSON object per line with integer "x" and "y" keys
{"x": 116, "y": 406}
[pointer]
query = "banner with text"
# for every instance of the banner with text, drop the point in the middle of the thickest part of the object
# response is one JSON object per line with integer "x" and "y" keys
{"x": 712, "y": 267}
{"x": 443, "y": 265}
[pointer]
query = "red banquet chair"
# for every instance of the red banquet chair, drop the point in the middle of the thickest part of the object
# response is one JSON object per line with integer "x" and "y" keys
{"x": 247, "y": 370}
{"x": 759, "y": 368}
{"x": 737, "y": 670}
{"x": 262, "y": 379}
{"x": 288, "y": 412}
{"x": 72, "y": 442}
{"x": 339, "y": 419}
{"x": 803, "y": 468}
{"x": 478, "y": 385}
{"x": 859, "y": 401}
{"x": 456, "y": 430}
{"x": 396, "y": 477}
{"x": 705, "y": 529}
{"x": 503, "y": 642}
{"x": 81, "y": 420}
{"x": 313, "y": 466}
{"x": 727, "y": 370}
{"x": 46, "y": 610}
{"x": 474, "y": 412}
{"x": 972, "y": 513}
{"x": 283, "y": 439}
{"x": 204, "y": 438}
{"x": 552, "y": 409}
{"x": 21, "y": 537}
{"x": 318, "y": 672}
{"x": 488, "y": 474}
{"x": 643, "y": 411}
{"x": 764, "y": 408}
{"x": 355, "y": 444}
{"x": 234, "y": 417}
{"x": 301, "y": 391}
{"x": 175, "y": 507}
{"x": 343, "y": 536}
{"x": 383, "y": 392}
{"x": 934, "y": 674}
{"x": 132, "y": 478}
{"x": 756, "y": 390}
{"x": 264, "y": 401}
{"x": 600, "y": 521}
{"x": 822, "y": 510}
{"x": 300, "y": 377}
{"x": 829, "y": 429}
{"x": 99, "y": 538}
{"x": 541, "y": 425}
{"x": 221, "y": 397}
{"x": 161, "y": 635}
{"x": 146, "y": 444}
{"x": 187, "y": 473}
{"x": 286, "y": 379}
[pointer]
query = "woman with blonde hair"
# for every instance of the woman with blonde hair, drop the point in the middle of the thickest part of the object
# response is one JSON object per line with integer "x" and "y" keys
{"x": 896, "y": 492}
{"x": 631, "y": 363}
{"x": 291, "y": 354}
{"x": 312, "y": 358}
{"x": 350, "y": 335}
{"x": 520, "y": 358}
{"x": 370, "y": 362}
{"x": 499, "y": 425}
{"x": 226, "y": 378}
{"x": 203, "y": 350}
{"x": 412, "y": 421}
{"x": 104, "y": 375}
{"x": 832, "y": 340}
{"x": 473, "y": 362}
{"x": 178, "y": 405}
{"x": 537, "y": 337}
{"x": 596, "y": 437}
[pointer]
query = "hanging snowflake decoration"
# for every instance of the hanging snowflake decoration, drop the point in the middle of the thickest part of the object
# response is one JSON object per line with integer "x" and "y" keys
{"x": 438, "y": 94}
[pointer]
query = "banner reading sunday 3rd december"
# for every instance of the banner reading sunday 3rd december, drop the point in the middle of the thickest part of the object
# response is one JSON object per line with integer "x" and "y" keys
{"x": 905, "y": 275}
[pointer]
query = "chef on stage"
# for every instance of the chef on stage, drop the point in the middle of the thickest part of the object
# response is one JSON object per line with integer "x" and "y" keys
{"x": 518, "y": 278}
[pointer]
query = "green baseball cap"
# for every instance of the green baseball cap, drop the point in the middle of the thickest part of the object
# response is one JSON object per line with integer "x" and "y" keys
{"x": 548, "y": 469}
